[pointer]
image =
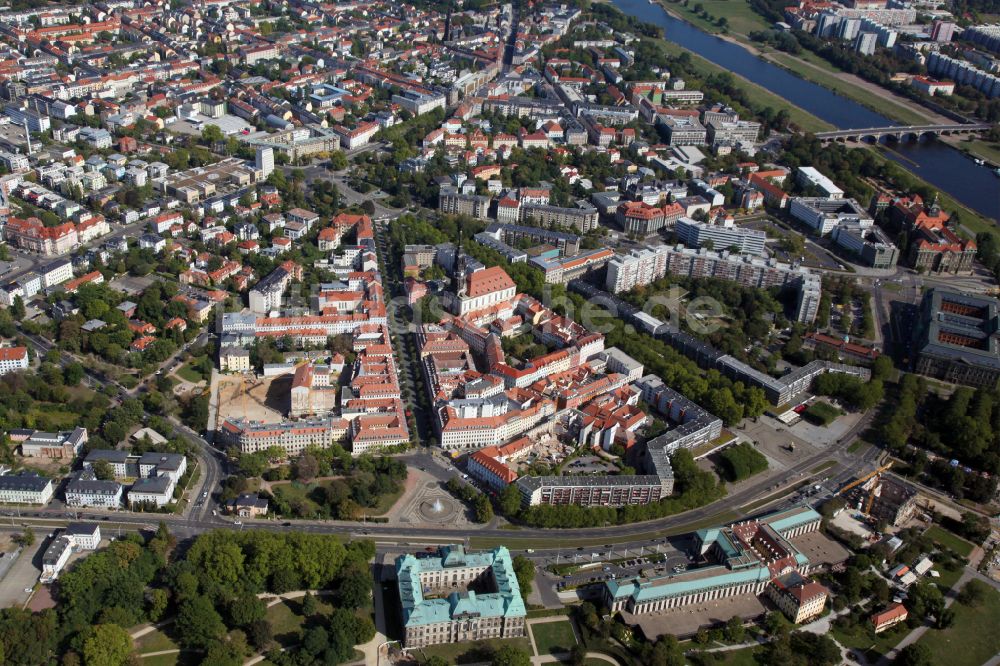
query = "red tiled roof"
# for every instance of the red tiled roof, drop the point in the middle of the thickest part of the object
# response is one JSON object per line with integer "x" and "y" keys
{"x": 488, "y": 281}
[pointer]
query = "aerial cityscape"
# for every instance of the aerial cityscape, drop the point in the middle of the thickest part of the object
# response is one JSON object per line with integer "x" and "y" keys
{"x": 631, "y": 332}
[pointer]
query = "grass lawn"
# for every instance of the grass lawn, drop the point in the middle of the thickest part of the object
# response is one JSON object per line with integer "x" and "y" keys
{"x": 742, "y": 19}
{"x": 288, "y": 622}
{"x": 293, "y": 491}
{"x": 987, "y": 150}
{"x": 743, "y": 657}
{"x": 825, "y": 75}
{"x": 472, "y": 652}
{"x": 154, "y": 641}
{"x": 875, "y": 647}
{"x": 949, "y": 540}
{"x": 948, "y": 577}
{"x": 296, "y": 491}
{"x": 50, "y": 417}
{"x": 385, "y": 502}
{"x": 822, "y": 413}
{"x": 188, "y": 373}
{"x": 553, "y": 637}
{"x": 823, "y": 466}
{"x": 972, "y": 639}
{"x": 756, "y": 94}
{"x": 856, "y": 445}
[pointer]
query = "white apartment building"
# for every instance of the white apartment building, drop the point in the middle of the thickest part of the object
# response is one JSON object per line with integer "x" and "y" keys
{"x": 641, "y": 266}
{"x": 157, "y": 490}
{"x": 56, "y": 272}
{"x": 172, "y": 465}
{"x": 86, "y": 490}
{"x": 456, "y": 432}
{"x": 25, "y": 488}
{"x": 13, "y": 359}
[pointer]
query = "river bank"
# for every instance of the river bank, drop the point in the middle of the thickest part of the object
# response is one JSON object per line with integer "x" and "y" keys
{"x": 801, "y": 118}
{"x": 937, "y": 164}
{"x": 892, "y": 105}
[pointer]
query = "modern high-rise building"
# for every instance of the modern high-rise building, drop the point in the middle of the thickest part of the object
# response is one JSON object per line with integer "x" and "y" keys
{"x": 721, "y": 236}
{"x": 264, "y": 160}
{"x": 865, "y": 43}
{"x": 942, "y": 31}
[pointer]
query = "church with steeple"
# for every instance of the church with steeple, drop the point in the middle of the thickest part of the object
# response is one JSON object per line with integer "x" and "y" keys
{"x": 476, "y": 288}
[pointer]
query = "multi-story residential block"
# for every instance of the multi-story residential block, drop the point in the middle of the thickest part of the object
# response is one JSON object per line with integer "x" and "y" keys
{"x": 25, "y": 488}
{"x": 723, "y": 236}
{"x": 153, "y": 464}
{"x": 611, "y": 491}
{"x": 641, "y": 266}
{"x": 56, "y": 272}
{"x": 350, "y": 139}
{"x": 13, "y": 359}
{"x": 451, "y": 200}
{"x": 117, "y": 460}
{"x": 292, "y": 436}
{"x": 455, "y": 596}
{"x": 32, "y": 235}
{"x": 511, "y": 234}
{"x": 583, "y": 217}
{"x": 156, "y": 491}
{"x": 266, "y": 295}
{"x": 234, "y": 359}
{"x": 84, "y": 489}
{"x": 14, "y": 162}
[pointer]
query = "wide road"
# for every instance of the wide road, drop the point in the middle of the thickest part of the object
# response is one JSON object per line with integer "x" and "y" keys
{"x": 200, "y": 521}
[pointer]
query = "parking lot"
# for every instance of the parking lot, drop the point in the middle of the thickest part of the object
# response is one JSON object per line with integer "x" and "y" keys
{"x": 23, "y": 574}
{"x": 610, "y": 562}
{"x": 131, "y": 284}
{"x": 589, "y": 465}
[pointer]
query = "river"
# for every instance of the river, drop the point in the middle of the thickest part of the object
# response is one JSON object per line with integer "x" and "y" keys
{"x": 939, "y": 164}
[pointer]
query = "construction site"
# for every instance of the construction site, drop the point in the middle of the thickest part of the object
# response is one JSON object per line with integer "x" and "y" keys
{"x": 246, "y": 396}
{"x": 876, "y": 499}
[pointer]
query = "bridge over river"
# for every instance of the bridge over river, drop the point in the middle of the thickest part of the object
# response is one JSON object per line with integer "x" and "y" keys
{"x": 902, "y": 132}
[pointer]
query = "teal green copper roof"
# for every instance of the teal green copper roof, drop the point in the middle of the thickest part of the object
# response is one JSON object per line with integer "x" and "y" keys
{"x": 786, "y": 520}
{"x": 417, "y": 611}
{"x": 668, "y": 587}
{"x": 739, "y": 565}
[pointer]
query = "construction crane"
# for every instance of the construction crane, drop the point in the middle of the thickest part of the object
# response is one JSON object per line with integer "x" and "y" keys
{"x": 871, "y": 500}
{"x": 866, "y": 477}
{"x": 243, "y": 396}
